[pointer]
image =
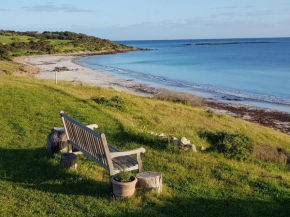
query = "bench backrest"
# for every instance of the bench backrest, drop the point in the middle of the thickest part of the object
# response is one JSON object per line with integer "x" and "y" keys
{"x": 91, "y": 143}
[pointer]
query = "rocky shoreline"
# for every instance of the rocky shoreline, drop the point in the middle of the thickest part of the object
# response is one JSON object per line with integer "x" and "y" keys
{"x": 276, "y": 120}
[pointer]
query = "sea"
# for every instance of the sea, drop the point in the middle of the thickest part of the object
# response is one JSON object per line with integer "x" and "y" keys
{"x": 253, "y": 71}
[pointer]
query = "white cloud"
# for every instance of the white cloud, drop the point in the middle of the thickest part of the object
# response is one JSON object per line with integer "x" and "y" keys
{"x": 267, "y": 12}
{"x": 232, "y": 7}
{"x": 54, "y": 8}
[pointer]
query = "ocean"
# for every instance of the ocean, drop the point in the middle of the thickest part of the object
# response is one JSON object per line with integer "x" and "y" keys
{"x": 250, "y": 71}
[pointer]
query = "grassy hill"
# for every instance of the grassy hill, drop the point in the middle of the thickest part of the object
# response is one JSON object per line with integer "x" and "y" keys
{"x": 207, "y": 183}
{"x": 14, "y": 44}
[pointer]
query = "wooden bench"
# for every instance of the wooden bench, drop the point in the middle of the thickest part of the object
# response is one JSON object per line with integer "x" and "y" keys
{"x": 95, "y": 146}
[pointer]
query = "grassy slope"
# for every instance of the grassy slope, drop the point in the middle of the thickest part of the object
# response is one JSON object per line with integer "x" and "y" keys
{"x": 9, "y": 66}
{"x": 195, "y": 184}
{"x": 9, "y": 39}
{"x": 58, "y": 42}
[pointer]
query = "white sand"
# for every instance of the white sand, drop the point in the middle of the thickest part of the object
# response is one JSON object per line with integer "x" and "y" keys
{"x": 76, "y": 72}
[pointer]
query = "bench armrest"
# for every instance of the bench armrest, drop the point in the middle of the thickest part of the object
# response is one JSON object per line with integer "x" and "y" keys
{"x": 125, "y": 153}
{"x": 92, "y": 126}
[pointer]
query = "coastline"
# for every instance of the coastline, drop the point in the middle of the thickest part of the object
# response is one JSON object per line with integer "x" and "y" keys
{"x": 276, "y": 120}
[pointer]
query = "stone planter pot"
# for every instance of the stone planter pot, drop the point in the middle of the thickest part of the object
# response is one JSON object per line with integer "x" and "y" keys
{"x": 123, "y": 189}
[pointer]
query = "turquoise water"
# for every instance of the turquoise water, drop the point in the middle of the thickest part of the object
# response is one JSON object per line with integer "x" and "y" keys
{"x": 255, "y": 73}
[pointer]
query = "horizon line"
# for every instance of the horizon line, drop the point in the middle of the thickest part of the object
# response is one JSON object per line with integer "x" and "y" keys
{"x": 198, "y": 39}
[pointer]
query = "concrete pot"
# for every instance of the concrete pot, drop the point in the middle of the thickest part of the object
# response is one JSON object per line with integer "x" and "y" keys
{"x": 123, "y": 189}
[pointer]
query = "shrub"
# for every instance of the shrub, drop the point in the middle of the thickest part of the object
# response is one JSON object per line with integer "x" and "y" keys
{"x": 235, "y": 147}
{"x": 266, "y": 153}
{"x": 183, "y": 98}
{"x": 116, "y": 102}
{"x": 232, "y": 146}
{"x": 7, "y": 72}
{"x": 209, "y": 113}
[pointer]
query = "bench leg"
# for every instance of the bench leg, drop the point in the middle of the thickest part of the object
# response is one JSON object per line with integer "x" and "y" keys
{"x": 111, "y": 185}
{"x": 70, "y": 148}
{"x": 140, "y": 164}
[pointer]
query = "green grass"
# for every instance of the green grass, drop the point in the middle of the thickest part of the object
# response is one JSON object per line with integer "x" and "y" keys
{"x": 195, "y": 184}
{"x": 11, "y": 39}
{"x": 69, "y": 48}
{"x": 59, "y": 42}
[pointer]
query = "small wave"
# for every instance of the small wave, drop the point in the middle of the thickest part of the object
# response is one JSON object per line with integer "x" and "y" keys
{"x": 207, "y": 88}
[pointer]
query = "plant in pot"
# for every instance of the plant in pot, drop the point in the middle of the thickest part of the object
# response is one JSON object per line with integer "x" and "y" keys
{"x": 124, "y": 184}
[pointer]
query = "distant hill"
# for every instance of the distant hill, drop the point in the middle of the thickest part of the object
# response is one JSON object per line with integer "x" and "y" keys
{"x": 14, "y": 43}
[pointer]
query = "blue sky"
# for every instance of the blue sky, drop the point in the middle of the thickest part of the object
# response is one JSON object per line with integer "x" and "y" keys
{"x": 151, "y": 19}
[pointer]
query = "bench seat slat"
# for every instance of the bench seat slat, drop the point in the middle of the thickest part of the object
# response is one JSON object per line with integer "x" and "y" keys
{"x": 128, "y": 158}
{"x": 122, "y": 162}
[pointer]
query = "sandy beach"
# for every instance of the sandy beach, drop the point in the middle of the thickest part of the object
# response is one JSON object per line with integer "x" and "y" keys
{"x": 76, "y": 72}
{"x": 274, "y": 119}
